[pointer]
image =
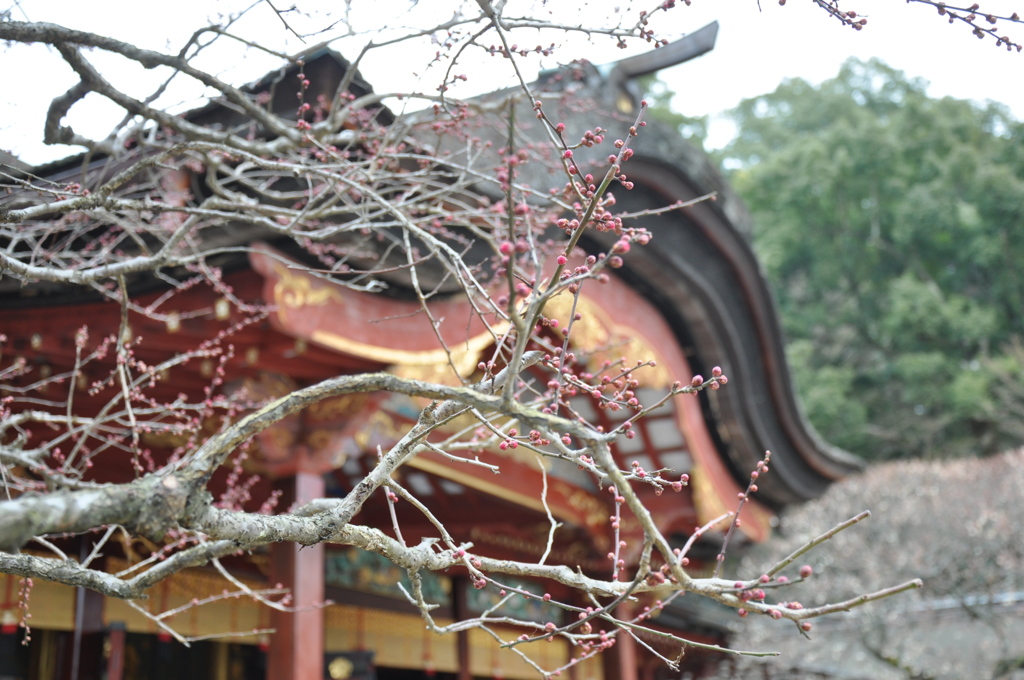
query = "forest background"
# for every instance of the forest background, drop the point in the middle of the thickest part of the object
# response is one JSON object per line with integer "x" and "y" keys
{"x": 889, "y": 224}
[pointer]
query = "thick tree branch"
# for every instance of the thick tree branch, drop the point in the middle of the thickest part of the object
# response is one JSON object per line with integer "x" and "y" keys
{"x": 59, "y": 36}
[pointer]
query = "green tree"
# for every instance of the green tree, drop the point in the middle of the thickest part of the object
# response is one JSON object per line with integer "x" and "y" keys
{"x": 892, "y": 227}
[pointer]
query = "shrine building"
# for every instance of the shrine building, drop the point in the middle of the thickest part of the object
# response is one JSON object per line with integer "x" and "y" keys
{"x": 693, "y": 299}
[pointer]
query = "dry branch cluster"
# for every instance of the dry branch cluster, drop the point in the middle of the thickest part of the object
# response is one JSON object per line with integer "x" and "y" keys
{"x": 368, "y": 201}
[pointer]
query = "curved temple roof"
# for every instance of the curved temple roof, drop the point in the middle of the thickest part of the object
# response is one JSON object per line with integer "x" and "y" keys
{"x": 699, "y": 270}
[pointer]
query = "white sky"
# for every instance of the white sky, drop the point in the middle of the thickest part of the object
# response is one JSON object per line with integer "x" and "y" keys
{"x": 756, "y": 50}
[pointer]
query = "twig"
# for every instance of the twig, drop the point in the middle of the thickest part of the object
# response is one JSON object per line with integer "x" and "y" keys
{"x": 788, "y": 560}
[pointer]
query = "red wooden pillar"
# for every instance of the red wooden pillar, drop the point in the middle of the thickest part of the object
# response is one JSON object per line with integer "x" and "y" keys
{"x": 624, "y": 662}
{"x": 297, "y": 647}
{"x": 116, "y": 636}
{"x": 86, "y": 659}
{"x": 461, "y": 612}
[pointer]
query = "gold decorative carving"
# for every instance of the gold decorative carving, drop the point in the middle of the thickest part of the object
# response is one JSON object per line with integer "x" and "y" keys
{"x": 320, "y": 439}
{"x": 340, "y": 668}
{"x": 588, "y": 508}
{"x": 336, "y": 408}
{"x": 381, "y": 424}
{"x": 596, "y": 332}
{"x": 269, "y": 386}
{"x": 465, "y": 356}
{"x": 222, "y": 309}
{"x": 293, "y": 291}
{"x": 278, "y": 439}
{"x": 587, "y": 333}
